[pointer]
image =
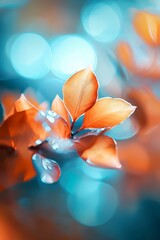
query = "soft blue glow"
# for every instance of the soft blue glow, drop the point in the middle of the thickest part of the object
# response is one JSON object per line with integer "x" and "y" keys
{"x": 31, "y": 56}
{"x": 73, "y": 178}
{"x": 12, "y": 3}
{"x": 100, "y": 173}
{"x": 71, "y": 53}
{"x": 106, "y": 70}
{"x": 94, "y": 207}
{"x": 101, "y": 21}
{"x": 123, "y": 131}
{"x": 156, "y": 89}
{"x": 143, "y": 55}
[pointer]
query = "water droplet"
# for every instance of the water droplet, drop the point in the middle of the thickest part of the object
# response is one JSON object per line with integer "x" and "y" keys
{"x": 38, "y": 142}
{"x": 42, "y": 113}
{"x": 46, "y": 127}
{"x": 55, "y": 146}
{"x": 52, "y": 113}
{"x": 48, "y": 169}
{"x": 97, "y": 131}
{"x": 46, "y": 178}
{"x": 50, "y": 118}
{"x": 47, "y": 164}
{"x": 89, "y": 161}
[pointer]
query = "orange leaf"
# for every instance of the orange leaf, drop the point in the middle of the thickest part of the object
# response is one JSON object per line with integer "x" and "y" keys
{"x": 19, "y": 131}
{"x": 59, "y": 108}
{"x": 147, "y": 26}
{"x": 22, "y": 125}
{"x": 80, "y": 92}
{"x": 22, "y": 104}
{"x": 126, "y": 56}
{"x": 148, "y": 106}
{"x": 98, "y": 151}
{"x": 107, "y": 112}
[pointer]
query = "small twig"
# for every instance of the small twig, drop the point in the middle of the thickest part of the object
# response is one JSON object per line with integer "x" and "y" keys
{"x": 74, "y": 133}
{"x": 72, "y": 125}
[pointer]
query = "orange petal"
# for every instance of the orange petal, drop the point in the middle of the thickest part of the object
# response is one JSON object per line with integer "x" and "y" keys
{"x": 135, "y": 165}
{"x": 80, "y": 92}
{"x": 22, "y": 128}
{"x": 98, "y": 151}
{"x": 107, "y": 112}
{"x": 148, "y": 105}
{"x": 22, "y": 104}
{"x": 19, "y": 131}
{"x": 59, "y": 108}
{"x": 16, "y": 167}
{"x": 147, "y": 26}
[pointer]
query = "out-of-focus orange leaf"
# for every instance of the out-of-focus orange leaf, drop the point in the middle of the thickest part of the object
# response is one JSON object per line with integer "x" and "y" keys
{"x": 107, "y": 112}
{"x": 12, "y": 102}
{"x": 20, "y": 131}
{"x": 80, "y": 92}
{"x": 140, "y": 155}
{"x": 8, "y": 99}
{"x": 98, "y": 151}
{"x": 147, "y": 26}
{"x": 146, "y": 142}
{"x": 59, "y": 108}
{"x": 133, "y": 156}
{"x": 148, "y": 111}
{"x": 126, "y": 56}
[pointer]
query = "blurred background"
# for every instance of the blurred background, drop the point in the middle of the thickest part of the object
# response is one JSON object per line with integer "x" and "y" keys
{"x": 42, "y": 43}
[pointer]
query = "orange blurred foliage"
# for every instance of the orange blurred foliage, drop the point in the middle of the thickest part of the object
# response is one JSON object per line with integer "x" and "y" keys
{"x": 147, "y": 26}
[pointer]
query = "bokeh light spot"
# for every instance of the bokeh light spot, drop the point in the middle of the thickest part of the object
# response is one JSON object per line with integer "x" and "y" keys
{"x": 31, "y": 55}
{"x": 93, "y": 208}
{"x": 71, "y": 53}
{"x": 101, "y": 21}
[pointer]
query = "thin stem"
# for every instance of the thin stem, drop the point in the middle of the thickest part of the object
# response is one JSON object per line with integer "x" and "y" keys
{"x": 73, "y": 134}
{"x": 72, "y": 125}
